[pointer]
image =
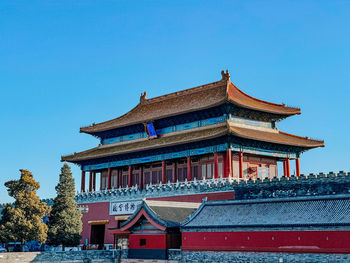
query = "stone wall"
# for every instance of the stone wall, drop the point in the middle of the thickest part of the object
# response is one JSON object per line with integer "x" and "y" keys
{"x": 313, "y": 184}
{"x": 254, "y": 257}
{"x": 86, "y": 256}
{"x": 175, "y": 255}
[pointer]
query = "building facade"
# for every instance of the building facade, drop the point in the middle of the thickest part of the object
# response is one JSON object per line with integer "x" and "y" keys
{"x": 318, "y": 224}
{"x": 210, "y": 133}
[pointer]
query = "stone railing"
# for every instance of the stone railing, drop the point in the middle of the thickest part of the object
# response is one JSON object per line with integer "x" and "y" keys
{"x": 320, "y": 184}
{"x": 158, "y": 190}
{"x": 313, "y": 184}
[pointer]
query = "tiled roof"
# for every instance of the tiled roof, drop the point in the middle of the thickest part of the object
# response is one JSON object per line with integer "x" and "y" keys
{"x": 194, "y": 99}
{"x": 305, "y": 211}
{"x": 146, "y": 144}
{"x": 188, "y": 136}
{"x": 174, "y": 214}
{"x": 166, "y": 215}
{"x": 275, "y": 137}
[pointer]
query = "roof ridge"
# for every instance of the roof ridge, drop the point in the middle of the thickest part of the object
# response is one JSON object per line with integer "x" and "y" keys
{"x": 183, "y": 92}
{"x": 264, "y": 101}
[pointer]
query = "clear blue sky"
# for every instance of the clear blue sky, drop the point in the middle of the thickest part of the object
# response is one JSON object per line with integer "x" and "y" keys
{"x": 66, "y": 64}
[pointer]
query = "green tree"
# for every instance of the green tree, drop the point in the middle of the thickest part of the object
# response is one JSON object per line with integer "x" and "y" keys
{"x": 65, "y": 223}
{"x": 22, "y": 221}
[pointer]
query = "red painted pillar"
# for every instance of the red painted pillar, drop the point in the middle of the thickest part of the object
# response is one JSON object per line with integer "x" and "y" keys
{"x": 284, "y": 168}
{"x": 240, "y": 161}
{"x": 175, "y": 172}
{"x": 297, "y": 166}
{"x": 94, "y": 181}
{"x": 109, "y": 180}
{"x": 130, "y": 175}
{"x": 120, "y": 177}
{"x": 82, "y": 188}
{"x": 141, "y": 177}
{"x": 163, "y": 172}
{"x": 189, "y": 176}
{"x": 90, "y": 181}
{"x": 225, "y": 165}
{"x": 287, "y": 168}
{"x": 216, "y": 165}
{"x": 228, "y": 163}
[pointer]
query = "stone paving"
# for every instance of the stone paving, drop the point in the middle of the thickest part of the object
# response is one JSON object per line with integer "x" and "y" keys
{"x": 176, "y": 257}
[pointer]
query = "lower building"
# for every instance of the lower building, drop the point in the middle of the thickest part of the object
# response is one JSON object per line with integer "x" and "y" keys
{"x": 295, "y": 225}
{"x": 153, "y": 229}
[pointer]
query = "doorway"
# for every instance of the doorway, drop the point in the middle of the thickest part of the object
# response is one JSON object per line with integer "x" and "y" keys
{"x": 97, "y": 235}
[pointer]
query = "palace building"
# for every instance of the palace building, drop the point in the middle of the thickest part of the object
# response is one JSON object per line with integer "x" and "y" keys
{"x": 165, "y": 147}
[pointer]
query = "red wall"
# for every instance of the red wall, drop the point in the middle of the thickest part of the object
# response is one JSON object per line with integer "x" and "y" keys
{"x": 279, "y": 241}
{"x": 197, "y": 198}
{"x": 100, "y": 211}
{"x": 97, "y": 211}
{"x": 152, "y": 241}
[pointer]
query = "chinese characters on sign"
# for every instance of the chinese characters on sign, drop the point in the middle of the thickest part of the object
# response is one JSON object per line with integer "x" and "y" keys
{"x": 123, "y": 208}
{"x": 83, "y": 209}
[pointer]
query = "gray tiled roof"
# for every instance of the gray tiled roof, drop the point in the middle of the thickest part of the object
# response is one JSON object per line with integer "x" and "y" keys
{"x": 174, "y": 214}
{"x": 163, "y": 215}
{"x": 306, "y": 211}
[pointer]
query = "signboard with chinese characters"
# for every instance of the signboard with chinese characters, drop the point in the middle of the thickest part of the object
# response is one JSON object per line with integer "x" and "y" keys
{"x": 123, "y": 208}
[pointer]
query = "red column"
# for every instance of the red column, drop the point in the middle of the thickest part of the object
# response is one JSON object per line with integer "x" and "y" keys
{"x": 225, "y": 165}
{"x": 229, "y": 160}
{"x": 284, "y": 168}
{"x": 141, "y": 177}
{"x": 287, "y": 168}
{"x": 82, "y": 181}
{"x": 216, "y": 165}
{"x": 163, "y": 172}
{"x": 120, "y": 175}
{"x": 94, "y": 181}
{"x": 90, "y": 181}
{"x": 240, "y": 161}
{"x": 297, "y": 166}
{"x": 229, "y": 163}
{"x": 189, "y": 176}
{"x": 129, "y": 177}
{"x": 109, "y": 181}
{"x": 175, "y": 172}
